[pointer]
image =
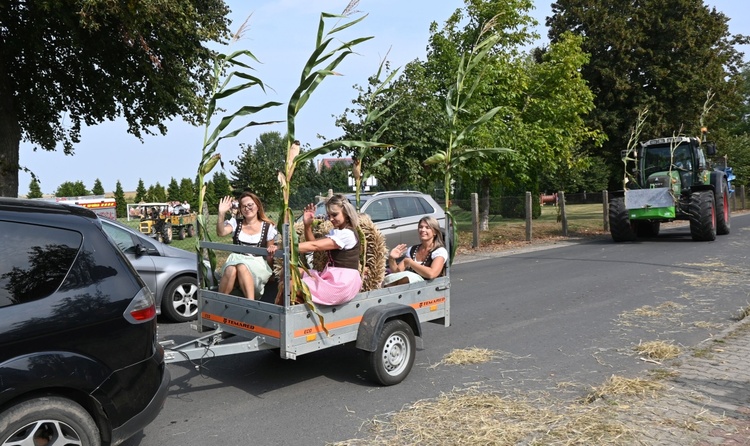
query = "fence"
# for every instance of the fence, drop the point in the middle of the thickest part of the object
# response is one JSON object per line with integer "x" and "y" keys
{"x": 560, "y": 214}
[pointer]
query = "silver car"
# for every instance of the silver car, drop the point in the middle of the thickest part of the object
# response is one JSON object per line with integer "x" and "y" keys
{"x": 396, "y": 213}
{"x": 170, "y": 273}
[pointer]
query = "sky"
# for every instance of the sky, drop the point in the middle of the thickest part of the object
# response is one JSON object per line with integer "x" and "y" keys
{"x": 400, "y": 30}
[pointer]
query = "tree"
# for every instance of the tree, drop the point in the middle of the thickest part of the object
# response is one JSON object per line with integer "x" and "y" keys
{"x": 258, "y": 166}
{"x": 121, "y": 205}
{"x": 146, "y": 61}
{"x": 140, "y": 192}
{"x": 664, "y": 55}
{"x": 72, "y": 189}
{"x": 98, "y": 189}
{"x": 34, "y": 190}
{"x": 156, "y": 193}
{"x": 187, "y": 192}
{"x": 173, "y": 191}
{"x": 222, "y": 187}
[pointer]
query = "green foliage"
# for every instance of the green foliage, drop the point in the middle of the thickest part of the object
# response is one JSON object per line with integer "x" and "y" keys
{"x": 156, "y": 194}
{"x": 660, "y": 55}
{"x": 72, "y": 189}
{"x": 34, "y": 190}
{"x": 257, "y": 168}
{"x": 222, "y": 186}
{"x": 121, "y": 205}
{"x": 98, "y": 189}
{"x": 55, "y": 50}
{"x": 140, "y": 192}
{"x": 737, "y": 149}
{"x": 173, "y": 191}
{"x": 188, "y": 192}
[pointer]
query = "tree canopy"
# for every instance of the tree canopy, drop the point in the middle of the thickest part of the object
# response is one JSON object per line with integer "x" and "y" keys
{"x": 665, "y": 55}
{"x": 69, "y": 63}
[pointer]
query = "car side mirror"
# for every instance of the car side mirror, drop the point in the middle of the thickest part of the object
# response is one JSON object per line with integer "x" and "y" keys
{"x": 140, "y": 250}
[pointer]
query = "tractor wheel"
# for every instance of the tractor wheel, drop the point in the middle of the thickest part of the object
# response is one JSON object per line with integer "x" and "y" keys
{"x": 191, "y": 231}
{"x": 702, "y": 213}
{"x": 167, "y": 233}
{"x": 722, "y": 209}
{"x": 647, "y": 228}
{"x": 619, "y": 223}
{"x": 181, "y": 233}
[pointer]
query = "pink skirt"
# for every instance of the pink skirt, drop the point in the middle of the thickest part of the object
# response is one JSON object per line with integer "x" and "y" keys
{"x": 333, "y": 286}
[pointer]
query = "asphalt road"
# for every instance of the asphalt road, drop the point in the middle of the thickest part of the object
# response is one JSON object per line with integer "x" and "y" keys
{"x": 560, "y": 321}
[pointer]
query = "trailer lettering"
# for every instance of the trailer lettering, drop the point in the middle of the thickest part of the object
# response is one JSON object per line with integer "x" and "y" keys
{"x": 427, "y": 303}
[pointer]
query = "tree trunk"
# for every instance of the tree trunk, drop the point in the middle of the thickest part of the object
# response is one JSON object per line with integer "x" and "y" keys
{"x": 484, "y": 204}
{"x": 10, "y": 137}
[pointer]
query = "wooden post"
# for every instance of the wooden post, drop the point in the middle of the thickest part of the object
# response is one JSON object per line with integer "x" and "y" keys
{"x": 734, "y": 201}
{"x": 605, "y": 209}
{"x": 742, "y": 196}
{"x": 561, "y": 203}
{"x": 529, "y": 212}
{"x": 475, "y": 220}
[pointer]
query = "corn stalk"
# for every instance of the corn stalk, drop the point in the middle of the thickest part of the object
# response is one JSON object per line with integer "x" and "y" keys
{"x": 372, "y": 115}
{"x": 224, "y": 86}
{"x": 322, "y": 63}
{"x": 469, "y": 74}
{"x": 631, "y": 152}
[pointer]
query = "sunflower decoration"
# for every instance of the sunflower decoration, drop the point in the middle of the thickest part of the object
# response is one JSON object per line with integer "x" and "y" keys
{"x": 372, "y": 260}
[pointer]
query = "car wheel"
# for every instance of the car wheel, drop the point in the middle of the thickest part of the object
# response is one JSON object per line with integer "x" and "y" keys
{"x": 50, "y": 421}
{"x": 180, "y": 301}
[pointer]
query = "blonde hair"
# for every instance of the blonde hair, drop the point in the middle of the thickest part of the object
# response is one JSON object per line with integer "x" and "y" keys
{"x": 346, "y": 207}
{"x": 437, "y": 239}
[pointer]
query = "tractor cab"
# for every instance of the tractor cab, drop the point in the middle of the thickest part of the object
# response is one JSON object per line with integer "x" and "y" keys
{"x": 675, "y": 162}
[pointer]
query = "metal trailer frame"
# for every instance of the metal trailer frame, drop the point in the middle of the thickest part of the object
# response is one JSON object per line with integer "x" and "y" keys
{"x": 299, "y": 329}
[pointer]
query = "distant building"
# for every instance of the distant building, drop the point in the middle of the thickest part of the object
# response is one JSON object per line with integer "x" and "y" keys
{"x": 329, "y": 162}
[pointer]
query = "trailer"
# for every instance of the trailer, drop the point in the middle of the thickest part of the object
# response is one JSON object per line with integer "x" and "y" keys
{"x": 382, "y": 322}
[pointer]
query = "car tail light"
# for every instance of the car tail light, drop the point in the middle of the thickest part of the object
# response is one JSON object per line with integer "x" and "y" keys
{"x": 142, "y": 308}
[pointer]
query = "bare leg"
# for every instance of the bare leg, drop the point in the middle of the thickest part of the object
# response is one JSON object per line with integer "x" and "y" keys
{"x": 226, "y": 284}
{"x": 247, "y": 284}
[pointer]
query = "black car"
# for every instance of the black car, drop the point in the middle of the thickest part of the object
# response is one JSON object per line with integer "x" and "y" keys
{"x": 79, "y": 357}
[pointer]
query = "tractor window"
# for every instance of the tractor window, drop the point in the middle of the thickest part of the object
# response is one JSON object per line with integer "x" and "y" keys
{"x": 656, "y": 159}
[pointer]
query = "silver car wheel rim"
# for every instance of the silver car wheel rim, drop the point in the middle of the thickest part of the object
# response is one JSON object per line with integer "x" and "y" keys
{"x": 53, "y": 432}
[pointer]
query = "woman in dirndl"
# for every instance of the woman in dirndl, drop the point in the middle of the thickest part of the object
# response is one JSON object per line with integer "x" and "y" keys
{"x": 340, "y": 280}
{"x": 251, "y": 272}
{"x": 419, "y": 262}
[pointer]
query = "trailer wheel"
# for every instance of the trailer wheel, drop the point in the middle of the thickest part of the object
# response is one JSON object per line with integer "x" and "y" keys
{"x": 181, "y": 233}
{"x": 702, "y": 214}
{"x": 722, "y": 209}
{"x": 619, "y": 222}
{"x": 48, "y": 420}
{"x": 394, "y": 356}
{"x": 191, "y": 231}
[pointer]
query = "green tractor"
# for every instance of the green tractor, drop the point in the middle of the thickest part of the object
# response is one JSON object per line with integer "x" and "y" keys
{"x": 670, "y": 179}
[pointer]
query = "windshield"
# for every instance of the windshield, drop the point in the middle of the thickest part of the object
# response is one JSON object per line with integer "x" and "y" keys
{"x": 660, "y": 159}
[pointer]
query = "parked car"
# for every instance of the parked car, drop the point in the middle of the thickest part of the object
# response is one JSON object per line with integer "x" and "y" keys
{"x": 170, "y": 273}
{"x": 395, "y": 213}
{"x": 79, "y": 358}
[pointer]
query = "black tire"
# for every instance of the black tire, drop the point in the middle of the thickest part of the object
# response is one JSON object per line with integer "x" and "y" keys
{"x": 647, "y": 228}
{"x": 702, "y": 214}
{"x": 191, "y": 231}
{"x": 48, "y": 420}
{"x": 722, "y": 209}
{"x": 167, "y": 233}
{"x": 181, "y": 233}
{"x": 393, "y": 359}
{"x": 180, "y": 300}
{"x": 619, "y": 222}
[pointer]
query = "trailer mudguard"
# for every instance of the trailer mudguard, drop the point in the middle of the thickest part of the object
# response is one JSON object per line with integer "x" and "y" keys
{"x": 371, "y": 327}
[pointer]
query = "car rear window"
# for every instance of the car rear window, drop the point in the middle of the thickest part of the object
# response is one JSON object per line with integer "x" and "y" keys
{"x": 34, "y": 260}
{"x": 411, "y": 206}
